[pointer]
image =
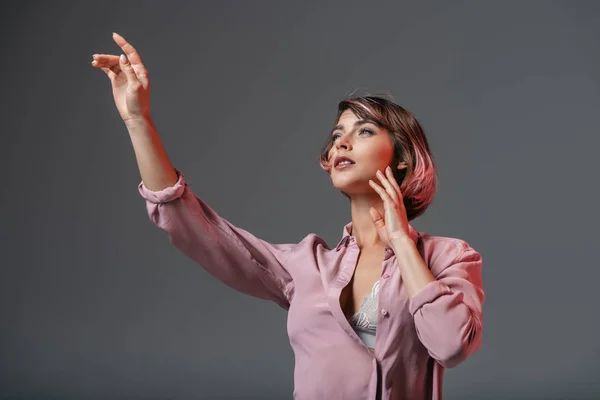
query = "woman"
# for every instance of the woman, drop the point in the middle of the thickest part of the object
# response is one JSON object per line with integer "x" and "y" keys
{"x": 382, "y": 314}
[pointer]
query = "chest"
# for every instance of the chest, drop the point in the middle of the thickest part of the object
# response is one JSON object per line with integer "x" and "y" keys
{"x": 366, "y": 273}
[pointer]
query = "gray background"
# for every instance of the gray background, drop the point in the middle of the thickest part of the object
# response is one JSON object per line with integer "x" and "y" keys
{"x": 95, "y": 302}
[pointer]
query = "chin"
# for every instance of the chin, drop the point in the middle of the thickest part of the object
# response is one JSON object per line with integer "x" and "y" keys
{"x": 351, "y": 179}
{"x": 350, "y": 186}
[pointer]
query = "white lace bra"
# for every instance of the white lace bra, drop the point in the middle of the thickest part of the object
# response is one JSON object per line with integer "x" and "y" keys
{"x": 364, "y": 322}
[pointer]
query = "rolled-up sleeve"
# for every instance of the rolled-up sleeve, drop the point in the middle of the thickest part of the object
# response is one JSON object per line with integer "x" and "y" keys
{"x": 232, "y": 255}
{"x": 447, "y": 312}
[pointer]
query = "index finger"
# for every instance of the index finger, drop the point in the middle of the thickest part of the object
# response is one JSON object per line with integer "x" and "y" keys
{"x": 394, "y": 183}
{"x": 130, "y": 52}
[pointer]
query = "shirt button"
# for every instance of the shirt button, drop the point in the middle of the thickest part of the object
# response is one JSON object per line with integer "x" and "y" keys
{"x": 384, "y": 312}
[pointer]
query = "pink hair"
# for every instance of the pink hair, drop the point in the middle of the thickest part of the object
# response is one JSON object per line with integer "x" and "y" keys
{"x": 418, "y": 182}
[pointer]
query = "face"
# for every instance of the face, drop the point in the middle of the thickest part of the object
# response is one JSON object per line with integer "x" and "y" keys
{"x": 368, "y": 145}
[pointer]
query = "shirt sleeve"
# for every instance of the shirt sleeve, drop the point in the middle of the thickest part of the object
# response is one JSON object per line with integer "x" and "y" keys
{"x": 448, "y": 311}
{"x": 232, "y": 255}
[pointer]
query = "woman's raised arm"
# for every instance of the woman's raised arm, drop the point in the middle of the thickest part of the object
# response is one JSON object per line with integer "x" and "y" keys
{"x": 232, "y": 255}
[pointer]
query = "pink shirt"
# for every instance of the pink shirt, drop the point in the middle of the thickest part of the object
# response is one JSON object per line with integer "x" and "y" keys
{"x": 416, "y": 339}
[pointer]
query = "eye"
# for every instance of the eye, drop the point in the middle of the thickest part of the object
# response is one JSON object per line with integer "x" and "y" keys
{"x": 333, "y": 137}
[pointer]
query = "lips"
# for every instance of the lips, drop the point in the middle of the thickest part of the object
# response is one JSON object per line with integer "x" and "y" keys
{"x": 339, "y": 159}
{"x": 343, "y": 166}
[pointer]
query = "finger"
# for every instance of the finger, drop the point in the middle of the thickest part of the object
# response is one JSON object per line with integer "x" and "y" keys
{"x": 376, "y": 217}
{"x": 382, "y": 193}
{"x": 112, "y": 72}
{"x": 134, "y": 58}
{"x": 108, "y": 72}
{"x": 100, "y": 65}
{"x": 394, "y": 183}
{"x": 115, "y": 69}
{"x": 388, "y": 187}
{"x": 129, "y": 50}
{"x": 107, "y": 59}
{"x": 129, "y": 73}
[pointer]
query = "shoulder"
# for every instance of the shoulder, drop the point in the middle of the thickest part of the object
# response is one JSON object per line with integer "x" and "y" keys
{"x": 312, "y": 241}
{"x": 311, "y": 246}
{"x": 441, "y": 252}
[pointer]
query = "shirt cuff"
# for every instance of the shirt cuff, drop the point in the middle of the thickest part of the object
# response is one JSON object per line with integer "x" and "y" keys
{"x": 167, "y": 194}
{"x": 428, "y": 294}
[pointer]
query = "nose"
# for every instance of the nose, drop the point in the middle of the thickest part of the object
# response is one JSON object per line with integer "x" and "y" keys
{"x": 342, "y": 141}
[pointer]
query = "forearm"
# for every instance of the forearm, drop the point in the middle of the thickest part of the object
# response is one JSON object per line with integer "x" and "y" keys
{"x": 447, "y": 307}
{"x": 156, "y": 169}
{"x": 415, "y": 273}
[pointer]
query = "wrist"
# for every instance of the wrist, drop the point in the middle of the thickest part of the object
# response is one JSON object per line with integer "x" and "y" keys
{"x": 401, "y": 243}
{"x": 137, "y": 123}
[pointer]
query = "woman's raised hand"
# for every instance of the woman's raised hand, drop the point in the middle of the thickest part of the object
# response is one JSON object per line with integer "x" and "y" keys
{"x": 129, "y": 80}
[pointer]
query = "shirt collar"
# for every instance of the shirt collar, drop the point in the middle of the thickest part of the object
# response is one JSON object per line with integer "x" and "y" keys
{"x": 414, "y": 234}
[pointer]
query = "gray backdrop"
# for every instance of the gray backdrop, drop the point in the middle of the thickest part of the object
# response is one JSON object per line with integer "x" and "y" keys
{"x": 95, "y": 302}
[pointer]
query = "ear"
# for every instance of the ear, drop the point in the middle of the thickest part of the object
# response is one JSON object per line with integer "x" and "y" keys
{"x": 402, "y": 165}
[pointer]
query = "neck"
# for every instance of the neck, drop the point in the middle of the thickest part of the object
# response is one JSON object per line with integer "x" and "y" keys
{"x": 363, "y": 228}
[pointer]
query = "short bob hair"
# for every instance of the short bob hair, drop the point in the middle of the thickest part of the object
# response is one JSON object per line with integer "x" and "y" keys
{"x": 418, "y": 182}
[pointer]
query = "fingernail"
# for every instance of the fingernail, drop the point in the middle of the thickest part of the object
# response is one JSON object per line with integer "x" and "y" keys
{"x": 123, "y": 59}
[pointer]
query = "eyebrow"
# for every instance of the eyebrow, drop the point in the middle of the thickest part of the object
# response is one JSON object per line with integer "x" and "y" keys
{"x": 356, "y": 124}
